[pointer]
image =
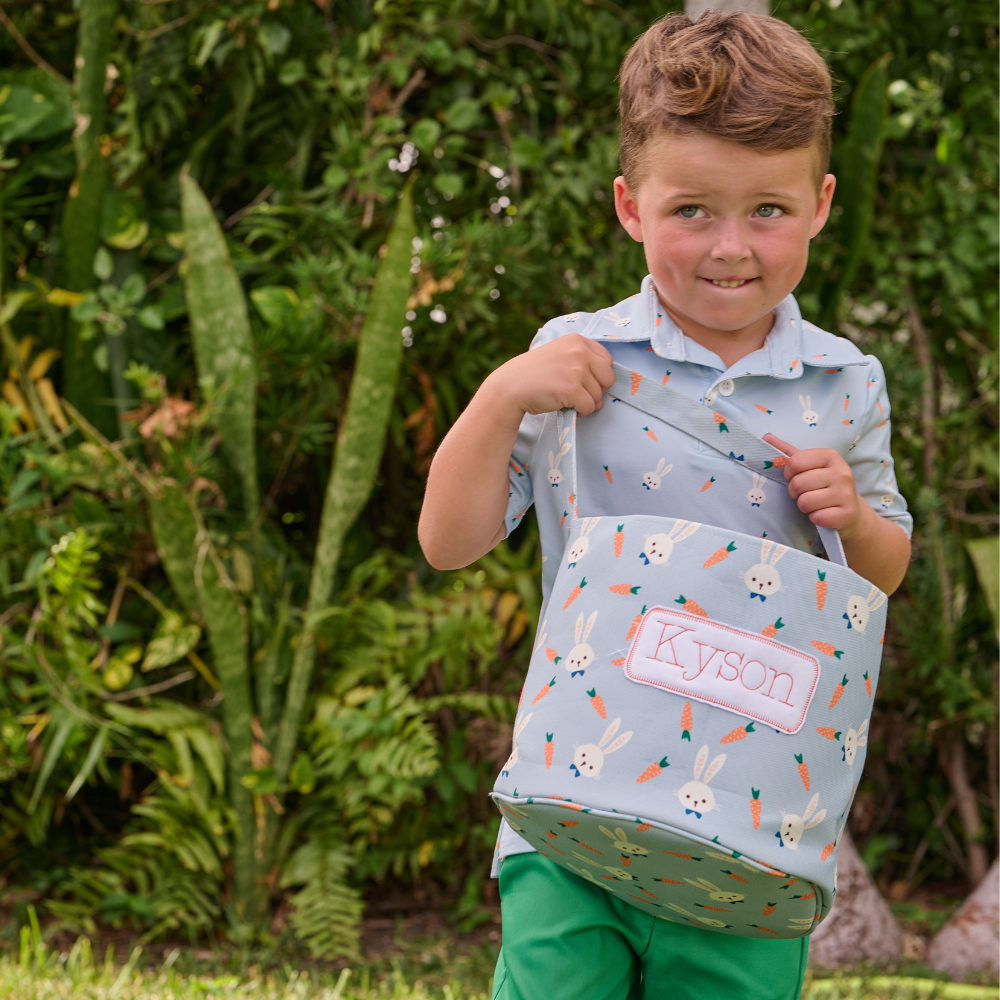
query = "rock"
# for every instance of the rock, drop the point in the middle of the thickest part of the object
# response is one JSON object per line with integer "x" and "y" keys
{"x": 970, "y": 941}
{"x": 860, "y": 926}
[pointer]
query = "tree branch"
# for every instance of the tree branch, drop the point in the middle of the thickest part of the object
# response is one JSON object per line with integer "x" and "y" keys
{"x": 26, "y": 48}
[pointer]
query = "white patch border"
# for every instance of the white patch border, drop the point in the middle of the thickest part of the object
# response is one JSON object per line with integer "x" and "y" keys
{"x": 739, "y": 710}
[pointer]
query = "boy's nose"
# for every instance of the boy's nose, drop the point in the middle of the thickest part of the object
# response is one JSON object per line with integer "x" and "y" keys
{"x": 730, "y": 245}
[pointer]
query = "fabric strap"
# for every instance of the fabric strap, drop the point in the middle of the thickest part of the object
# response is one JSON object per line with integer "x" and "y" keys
{"x": 704, "y": 424}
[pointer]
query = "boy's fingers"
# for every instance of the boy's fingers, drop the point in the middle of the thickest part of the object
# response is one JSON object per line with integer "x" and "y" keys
{"x": 788, "y": 449}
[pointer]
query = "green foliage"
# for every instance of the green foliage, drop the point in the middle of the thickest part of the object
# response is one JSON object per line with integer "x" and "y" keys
{"x": 159, "y": 623}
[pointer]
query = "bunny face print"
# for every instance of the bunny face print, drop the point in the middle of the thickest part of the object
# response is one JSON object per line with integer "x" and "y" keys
{"x": 622, "y": 844}
{"x": 762, "y": 579}
{"x": 809, "y": 415}
{"x": 555, "y": 476}
{"x": 652, "y": 480}
{"x": 581, "y": 655}
{"x": 696, "y": 797}
{"x": 658, "y": 547}
{"x": 514, "y": 755}
{"x": 589, "y": 758}
{"x": 793, "y": 826}
{"x": 853, "y": 739}
{"x": 859, "y": 608}
{"x": 756, "y": 494}
{"x": 581, "y": 545}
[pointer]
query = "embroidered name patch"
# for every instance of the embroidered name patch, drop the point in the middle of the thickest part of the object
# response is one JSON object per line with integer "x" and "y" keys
{"x": 739, "y": 671}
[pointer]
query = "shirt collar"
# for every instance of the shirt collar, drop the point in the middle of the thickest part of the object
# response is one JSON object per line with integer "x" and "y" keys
{"x": 783, "y": 355}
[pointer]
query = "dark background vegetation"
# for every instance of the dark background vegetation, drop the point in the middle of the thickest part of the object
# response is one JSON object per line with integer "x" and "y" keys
{"x": 292, "y": 116}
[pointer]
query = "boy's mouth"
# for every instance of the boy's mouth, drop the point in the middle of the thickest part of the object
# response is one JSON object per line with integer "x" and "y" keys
{"x": 730, "y": 282}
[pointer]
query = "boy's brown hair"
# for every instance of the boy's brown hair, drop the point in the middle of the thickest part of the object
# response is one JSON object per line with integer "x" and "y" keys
{"x": 746, "y": 78}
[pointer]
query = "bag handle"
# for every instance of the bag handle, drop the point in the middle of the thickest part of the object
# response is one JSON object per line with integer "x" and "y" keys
{"x": 700, "y": 422}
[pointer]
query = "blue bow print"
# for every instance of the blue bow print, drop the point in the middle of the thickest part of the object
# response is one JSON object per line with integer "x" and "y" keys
{"x": 687, "y": 812}
{"x": 753, "y": 594}
{"x": 575, "y": 769}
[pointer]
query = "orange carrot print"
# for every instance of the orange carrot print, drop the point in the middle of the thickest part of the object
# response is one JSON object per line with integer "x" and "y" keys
{"x": 827, "y": 648}
{"x": 739, "y": 733}
{"x": 666, "y": 376}
{"x": 778, "y": 462}
{"x": 634, "y": 627}
{"x": 708, "y": 482}
{"x": 828, "y": 850}
{"x": 847, "y": 400}
{"x": 718, "y": 555}
{"x": 545, "y": 690}
{"x": 685, "y": 857}
{"x": 721, "y": 421}
{"x": 652, "y": 771}
{"x": 735, "y": 877}
{"x": 643, "y": 827}
{"x": 691, "y": 607}
{"x": 828, "y": 732}
{"x": 553, "y": 656}
{"x": 821, "y": 586}
{"x": 763, "y": 409}
{"x": 770, "y": 631}
{"x": 803, "y": 770}
{"x": 607, "y": 476}
{"x": 619, "y": 662}
{"x": 625, "y": 589}
{"x": 868, "y": 684}
{"x": 565, "y": 514}
{"x": 598, "y": 702}
{"x": 687, "y": 722}
{"x": 619, "y": 536}
{"x": 755, "y": 808}
{"x": 651, "y": 434}
{"x": 550, "y": 749}
{"x": 575, "y": 593}
{"x": 636, "y": 382}
{"x": 838, "y": 691}
{"x": 769, "y": 909}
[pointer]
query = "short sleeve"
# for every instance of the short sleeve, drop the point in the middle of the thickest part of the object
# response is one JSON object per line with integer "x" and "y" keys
{"x": 870, "y": 456}
{"x": 521, "y": 494}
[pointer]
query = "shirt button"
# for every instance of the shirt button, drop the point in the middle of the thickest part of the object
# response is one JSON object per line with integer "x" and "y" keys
{"x": 726, "y": 387}
{"x": 710, "y": 397}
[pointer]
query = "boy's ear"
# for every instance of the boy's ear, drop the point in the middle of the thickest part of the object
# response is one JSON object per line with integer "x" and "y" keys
{"x": 823, "y": 204}
{"x": 628, "y": 209}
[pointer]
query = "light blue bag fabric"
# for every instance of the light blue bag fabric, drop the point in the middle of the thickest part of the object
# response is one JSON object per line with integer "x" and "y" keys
{"x": 693, "y": 723}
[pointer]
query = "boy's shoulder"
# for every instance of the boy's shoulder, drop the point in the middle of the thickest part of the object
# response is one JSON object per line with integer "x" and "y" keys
{"x": 629, "y": 320}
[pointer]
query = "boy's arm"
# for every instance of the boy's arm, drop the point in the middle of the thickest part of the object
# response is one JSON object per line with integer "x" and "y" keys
{"x": 822, "y": 484}
{"x": 466, "y": 498}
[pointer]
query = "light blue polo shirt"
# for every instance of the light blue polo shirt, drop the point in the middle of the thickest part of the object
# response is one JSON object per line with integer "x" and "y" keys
{"x": 807, "y": 386}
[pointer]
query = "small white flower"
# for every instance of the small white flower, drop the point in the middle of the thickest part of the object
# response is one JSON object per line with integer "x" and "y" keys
{"x": 503, "y": 202}
{"x": 438, "y": 314}
{"x": 500, "y": 269}
{"x": 411, "y": 314}
{"x": 437, "y": 222}
{"x": 496, "y": 172}
{"x": 494, "y": 293}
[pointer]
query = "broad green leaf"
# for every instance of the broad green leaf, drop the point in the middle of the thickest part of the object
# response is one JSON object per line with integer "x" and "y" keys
{"x": 220, "y": 332}
{"x": 33, "y": 106}
{"x": 425, "y": 133}
{"x": 169, "y": 647}
{"x": 449, "y": 184}
{"x": 462, "y": 114}
{"x": 103, "y": 264}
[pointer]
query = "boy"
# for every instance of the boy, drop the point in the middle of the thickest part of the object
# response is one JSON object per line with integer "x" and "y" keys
{"x": 725, "y": 136}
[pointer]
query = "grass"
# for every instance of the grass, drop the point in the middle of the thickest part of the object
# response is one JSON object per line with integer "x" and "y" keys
{"x": 426, "y": 971}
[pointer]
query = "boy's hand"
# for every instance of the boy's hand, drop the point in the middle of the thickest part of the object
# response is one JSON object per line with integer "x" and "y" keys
{"x": 822, "y": 484}
{"x": 570, "y": 372}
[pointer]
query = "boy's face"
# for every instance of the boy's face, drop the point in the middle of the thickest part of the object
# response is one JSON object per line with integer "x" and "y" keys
{"x": 726, "y": 229}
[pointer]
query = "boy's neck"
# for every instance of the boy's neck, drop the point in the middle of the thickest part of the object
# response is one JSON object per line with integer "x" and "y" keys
{"x": 730, "y": 345}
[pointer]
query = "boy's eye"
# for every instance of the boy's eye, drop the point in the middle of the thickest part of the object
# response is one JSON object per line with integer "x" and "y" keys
{"x": 769, "y": 212}
{"x": 691, "y": 212}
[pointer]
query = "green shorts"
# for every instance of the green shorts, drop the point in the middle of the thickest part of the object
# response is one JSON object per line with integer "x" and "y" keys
{"x": 566, "y": 939}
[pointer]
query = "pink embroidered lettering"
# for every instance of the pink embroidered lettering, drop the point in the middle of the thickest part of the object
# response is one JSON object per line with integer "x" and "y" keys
{"x": 742, "y": 672}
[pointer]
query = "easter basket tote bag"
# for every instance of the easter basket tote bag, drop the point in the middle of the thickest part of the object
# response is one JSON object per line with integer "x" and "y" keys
{"x": 693, "y": 723}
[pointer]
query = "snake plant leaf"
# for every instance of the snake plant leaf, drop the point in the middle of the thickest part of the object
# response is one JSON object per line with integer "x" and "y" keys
{"x": 857, "y": 173}
{"x": 360, "y": 442}
{"x": 84, "y": 384}
{"x": 985, "y": 555}
{"x": 196, "y": 573}
{"x": 220, "y": 332}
